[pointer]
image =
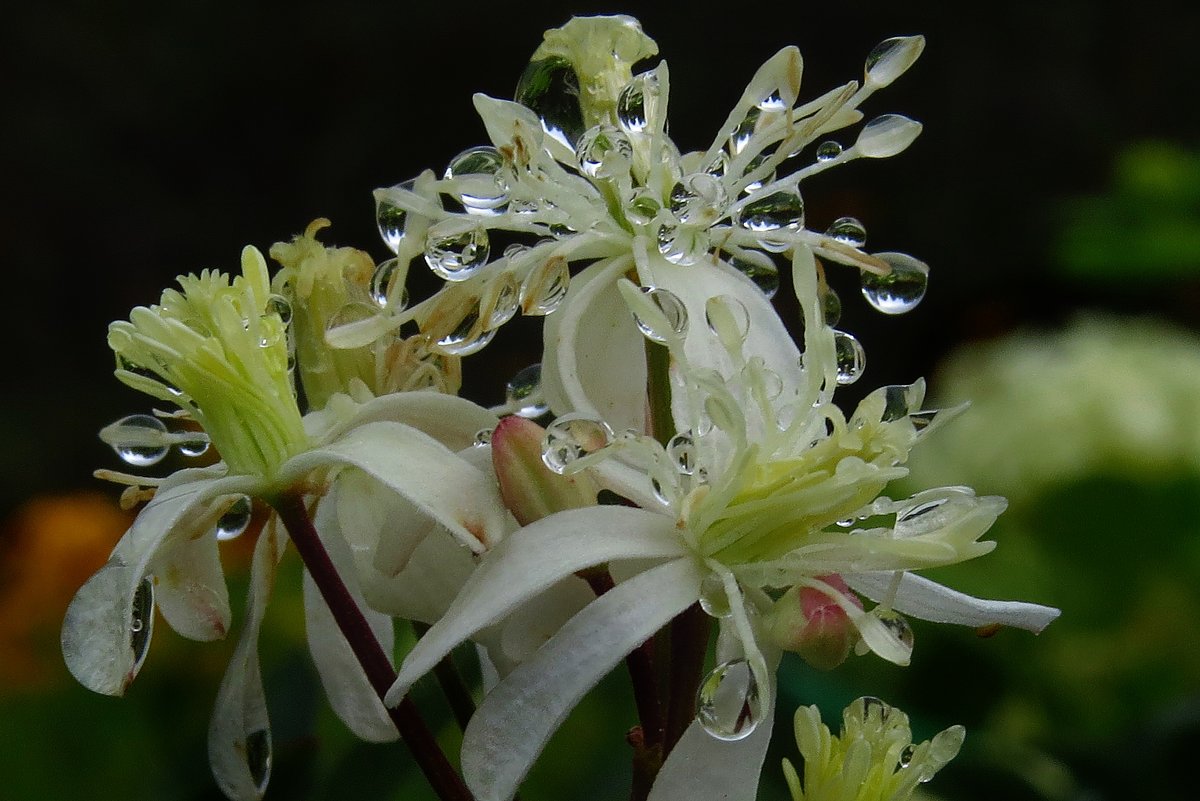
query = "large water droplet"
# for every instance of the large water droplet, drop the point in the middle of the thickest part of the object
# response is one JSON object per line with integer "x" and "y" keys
{"x": 773, "y": 102}
{"x": 638, "y": 103}
{"x": 849, "y": 231}
{"x": 713, "y": 598}
{"x": 550, "y": 87}
{"x": 699, "y": 199}
{"x": 741, "y": 135}
{"x": 544, "y": 289}
{"x": 727, "y": 318}
{"x": 901, "y": 289}
{"x": 139, "y": 439}
{"x": 782, "y": 209}
{"x": 829, "y": 150}
{"x": 501, "y": 300}
{"x": 141, "y": 622}
{"x": 258, "y": 757}
{"x": 682, "y": 244}
{"x": 384, "y": 291}
{"x": 279, "y": 306}
{"x": 391, "y": 218}
{"x": 760, "y": 269}
{"x": 456, "y": 249}
{"x": 468, "y": 337}
{"x": 672, "y": 309}
{"x": 602, "y": 150}
{"x": 851, "y": 359}
{"x": 571, "y": 437}
{"x": 831, "y": 306}
{"x": 730, "y": 706}
{"x": 523, "y": 393}
{"x": 477, "y": 179}
{"x": 233, "y": 523}
{"x": 897, "y": 624}
{"x": 192, "y": 443}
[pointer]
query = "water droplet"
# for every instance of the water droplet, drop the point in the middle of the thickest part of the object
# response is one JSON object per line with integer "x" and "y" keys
{"x": 550, "y": 87}
{"x": 545, "y": 287}
{"x": 391, "y": 219}
{"x": 782, "y": 209}
{"x": 713, "y": 598}
{"x": 718, "y": 165}
{"x": 571, "y": 437}
{"x": 727, "y": 316}
{"x": 258, "y": 757}
{"x": 869, "y": 707}
{"x": 638, "y": 103}
{"x": 502, "y": 299}
{"x": 602, "y": 149}
{"x": 233, "y": 523}
{"x": 456, "y": 249}
{"x": 139, "y": 439}
{"x": 741, "y": 135}
{"x": 643, "y": 207}
{"x": 851, "y": 359}
{"x": 383, "y": 281}
{"x": 730, "y": 706}
{"x": 682, "y": 244}
{"x": 895, "y": 402}
{"x": 831, "y": 306}
{"x": 773, "y": 102}
{"x": 762, "y": 180}
{"x": 924, "y": 419}
{"x": 141, "y": 622}
{"x": 483, "y": 438}
{"x": 681, "y": 449}
{"x": 279, "y": 305}
{"x": 849, "y": 231}
{"x": 764, "y": 274}
{"x": 672, "y": 309}
{"x": 897, "y": 624}
{"x": 906, "y": 755}
{"x": 195, "y": 444}
{"x": 477, "y": 180}
{"x": 901, "y": 289}
{"x": 829, "y": 150}
{"x": 523, "y": 393}
{"x": 468, "y": 337}
{"x": 699, "y": 199}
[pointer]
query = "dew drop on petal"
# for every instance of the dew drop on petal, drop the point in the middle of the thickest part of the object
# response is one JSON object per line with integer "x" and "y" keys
{"x": 476, "y": 176}
{"x": 468, "y": 337}
{"x": 897, "y": 624}
{"x": 713, "y": 598}
{"x": 455, "y": 249}
{"x": 383, "y": 291}
{"x": 523, "y": 393}
{"x": 139, "y": 439}
{"x": 601, "y": 149}
{"x": 258, "y": 757}
{"x": 851, "y": 359}
{"x": 828, "y": 150}
{"x": 671, "y": 307}
{"x": 848, "y": 231}
{"x": 901, "y": 289}
{"x": 683, "y": 244}
{"x": 234, "y": 522}
{"x": 571, "y": 437}
{"x": 730, "y": 705}
{"x": 699, "y": 199}
{"x": 545, "y": 288}
{"x": 550, "y": 88}
{"x": 681, "y": 449}
{"x": 906, "y": 756}
{"x": 279, "y": 306}
{"x": 483, "y": 438}
{"x": 141, "y": 622}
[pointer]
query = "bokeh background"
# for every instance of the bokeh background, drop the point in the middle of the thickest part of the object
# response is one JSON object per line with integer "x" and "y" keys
{"x": 1055, "y": 193}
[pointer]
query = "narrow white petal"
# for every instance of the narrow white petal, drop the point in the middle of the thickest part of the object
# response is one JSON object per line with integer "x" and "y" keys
{"x": 190, "y": 586}
{"x": 518, "y": 717}
{"x": 239, "y": 735}
{"x": 928, "y": 600}
{"x": 415, "y": 465}
{"x": 589, "y": 340}
{"x": 703, "y": 768}
{"x": 96, "y": 636}
{"x": 528, "y": 562}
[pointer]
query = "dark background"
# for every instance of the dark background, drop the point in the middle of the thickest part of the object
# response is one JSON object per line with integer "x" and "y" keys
{"x": 145, "y": 140}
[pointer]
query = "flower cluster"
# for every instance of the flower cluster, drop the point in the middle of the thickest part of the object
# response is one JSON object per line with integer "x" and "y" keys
{"x": 694, "y": 468}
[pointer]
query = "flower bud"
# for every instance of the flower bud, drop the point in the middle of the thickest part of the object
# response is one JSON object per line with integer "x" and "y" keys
{"x": 531, "y": 490}
{"x": 809, "y": 622}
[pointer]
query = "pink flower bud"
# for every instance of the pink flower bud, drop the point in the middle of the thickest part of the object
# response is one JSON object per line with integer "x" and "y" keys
{"x": 811, "y": 623}
{"x": 529, "y": 488}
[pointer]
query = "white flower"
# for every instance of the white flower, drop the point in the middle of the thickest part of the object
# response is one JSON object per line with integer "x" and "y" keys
{"x": 219, "y": 350}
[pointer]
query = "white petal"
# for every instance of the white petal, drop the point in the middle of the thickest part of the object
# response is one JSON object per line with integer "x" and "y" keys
{"x": 528, "y": 562}
{"x": 451, "y": 420}
{"x": 239, "y": 735}
{"x": 423, "y": 591}
{"x": 517, "y": 718}
{"x": 590, "y": 340}
{"x": 448, "y": 489}
{"x": 190, "y": 586}
{"x": 703, "y": 768}
{"x": 346, "y": 684}
{"x": 96, "y": 639}
{"x": 928, "y": 600}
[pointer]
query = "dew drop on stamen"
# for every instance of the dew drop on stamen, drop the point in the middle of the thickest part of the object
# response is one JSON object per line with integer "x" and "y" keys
{"x": 782, "y": 209}
{"x": 671, "y": 307}
{"x": 390, "y": 219}
{"x": 234, "y": 522}
{"x": 601, "y": 147}
{"x": 476, "y": 174}
{"x": 468, "y": 337}
{"x": 684, "y": 245}
{"x": 902, "y": 289}
{"x": 571, "y": 437}
{"x": 550, "y": 88}
{"x": 848, "y": 231}
{"x": 279, "y": 306}
{"x": 637, "y": 102}
{"x": 456, "y": 249}
{"x": 831, "y": 306}
{"x": 139, "y": 439}
{"x": 545, "y": 288}
{"x": 713, "y": 598}
{"x": 383, "y": 293}
{"x": 730, "y": 705}
{"x": 195, "y": 443}
{"x": 725, "y": 313}
{"x": 851, "y": 359}
{"x": 681, "y": 450}
{"x": 828, "y": 150}
{"x": 523, "y": 393}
